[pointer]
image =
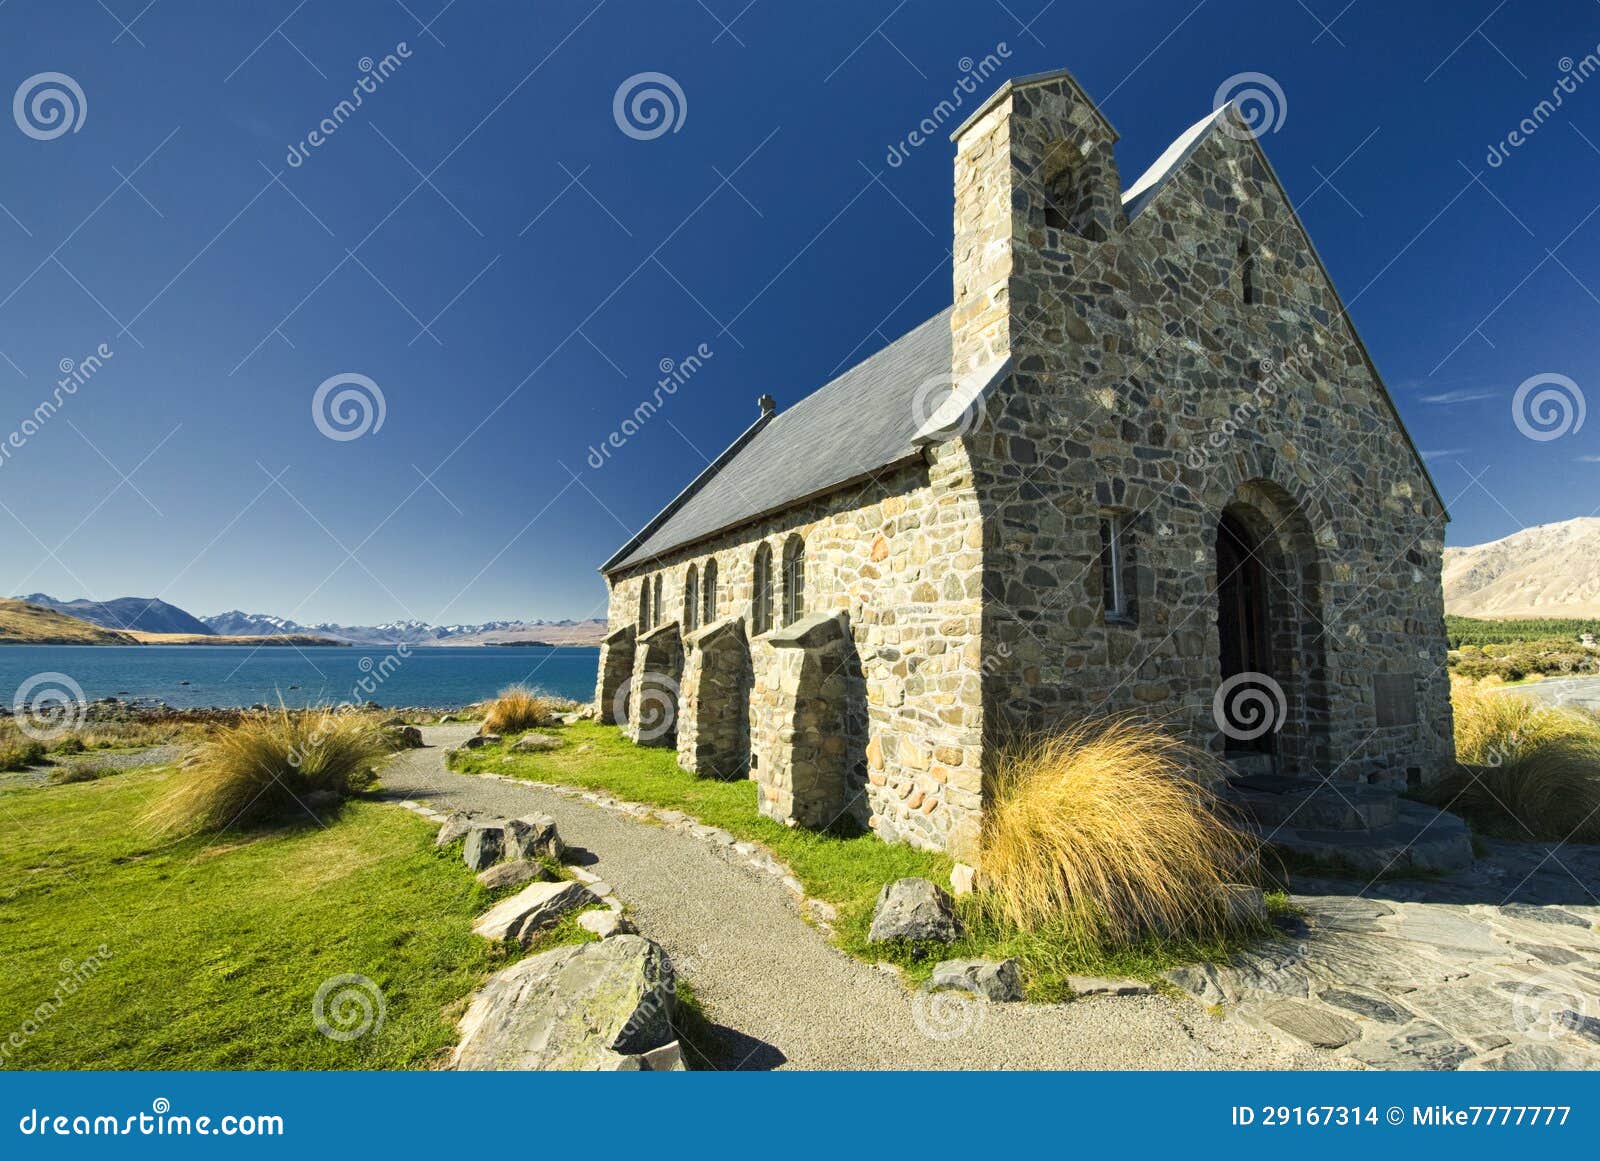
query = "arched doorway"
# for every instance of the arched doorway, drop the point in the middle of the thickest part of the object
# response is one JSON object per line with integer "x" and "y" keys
{"x": 1273, "y": 705}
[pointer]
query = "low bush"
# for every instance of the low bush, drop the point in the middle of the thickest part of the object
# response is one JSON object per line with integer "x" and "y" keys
{"x": 1524, "y": 771}
{"x": 20, "y": 753}
{"x": 78, "y": 772}
{"x": 517, "y": 708}
{"x": 268, "y": 766}
{"x": 1107, "y": 834}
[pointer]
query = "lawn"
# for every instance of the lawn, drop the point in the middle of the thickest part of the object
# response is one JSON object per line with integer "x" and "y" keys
{"x": 214, "y": 949}
{"x": 847, "y": 872}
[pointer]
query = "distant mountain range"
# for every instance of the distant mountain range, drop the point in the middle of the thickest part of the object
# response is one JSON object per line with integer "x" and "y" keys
{"x": 1551, "y": 570}
{"x": 157, "y": 616}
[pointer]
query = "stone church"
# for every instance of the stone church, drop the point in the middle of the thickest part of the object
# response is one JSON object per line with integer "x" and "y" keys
{"x": 1142, "y": 463}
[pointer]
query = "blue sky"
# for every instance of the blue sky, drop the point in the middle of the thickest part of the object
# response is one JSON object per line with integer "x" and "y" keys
{"x": 482, "y": 241}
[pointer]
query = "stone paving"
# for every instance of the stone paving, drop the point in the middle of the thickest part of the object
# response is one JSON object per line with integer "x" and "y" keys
{"x": 1493, "y": 967}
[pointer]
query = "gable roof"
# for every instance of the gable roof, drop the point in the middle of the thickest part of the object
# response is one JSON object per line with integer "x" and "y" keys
{"x": 860, "y": 423}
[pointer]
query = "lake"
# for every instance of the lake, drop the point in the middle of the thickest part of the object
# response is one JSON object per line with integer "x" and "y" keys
{"x": 232, "y": 675}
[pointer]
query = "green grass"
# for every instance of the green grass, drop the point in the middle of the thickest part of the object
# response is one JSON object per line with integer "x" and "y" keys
{"x": 217, "y": 946}
{"x": 846, "y": 871}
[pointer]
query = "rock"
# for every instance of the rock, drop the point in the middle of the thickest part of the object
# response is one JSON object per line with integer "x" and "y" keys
{"x": 535, "y": 743}
{"x": 446, "y": 719}
{"x": 1578, "y": 1024}
{"x": 478, "y": 741}
{"x": 1372, "y": 1007}
{"x": 914, "y": 909}
{"x": 1419, "y": 1045}
{"x": 533, "y": 835}
{"x": 485, "y": 845}
{"x": 456, "y": 826}
{"x": 996, "y": 980}
{"x": 1552, "y": 915}
{"x": 395, "y": 721}
{"x": 1533, "y": 1058}
{"x": 1311, "y": 1025}
{"x": 514, "y": 874}
{"x": 1110, "y": 986}
{"x": 667, "y": 1058}
{"x": 606, "y": 924}
{"x": 962, "y": 879}
{"x": 536, "y": 905}
{"x": 405, "y": 737}
{"x": 1247, "y": 906}
{"x": 587, "y": 1006}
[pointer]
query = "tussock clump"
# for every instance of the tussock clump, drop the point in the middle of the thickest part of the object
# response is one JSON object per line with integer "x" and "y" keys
{"x": 1107, "y": 835}
{"x": 517, "y": 708}
{"x": 267, "y": 766}
{"x": 1524, "y": 771}
{"x": 18, "y": 753}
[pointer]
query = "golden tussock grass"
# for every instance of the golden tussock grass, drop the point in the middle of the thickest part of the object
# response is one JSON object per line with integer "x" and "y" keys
{"x": 517, "y": 708}
{"x": 1106, "y": 835}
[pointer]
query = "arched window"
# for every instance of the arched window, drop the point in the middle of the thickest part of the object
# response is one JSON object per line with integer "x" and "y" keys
{"x": 1247, "y": 273}
{"x": 644, "y": 606}
{"x": 794, "y": 580}
{"x": 761, "y": 591}
{"x": 655, "y": 604}
{"x": 710, "y": 585}
{"x": 691, "y": 599}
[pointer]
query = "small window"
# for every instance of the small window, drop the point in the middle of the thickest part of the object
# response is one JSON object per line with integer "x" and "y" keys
{"x": 794, "y": 580}
{"x": 655, "y": 604}
{"x": 761, "y": 591}
{"x": 1116, "y": 568}
{"x": 644, "y": 606}
{"x": 710, "y": 584}
{"x": 691, "y": 599}
{"x": 1247, "y": 273}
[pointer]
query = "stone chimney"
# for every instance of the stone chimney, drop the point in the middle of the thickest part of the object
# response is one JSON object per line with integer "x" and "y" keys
{"x": 1036, "y": 192}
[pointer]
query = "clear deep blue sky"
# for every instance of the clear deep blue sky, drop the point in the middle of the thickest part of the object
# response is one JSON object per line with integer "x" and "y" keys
{"x": 556, "y": 261}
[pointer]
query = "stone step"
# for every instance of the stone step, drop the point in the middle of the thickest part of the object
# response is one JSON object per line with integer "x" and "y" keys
{"x": 1274, "y": 801}
{"x": 1421, "y": 840}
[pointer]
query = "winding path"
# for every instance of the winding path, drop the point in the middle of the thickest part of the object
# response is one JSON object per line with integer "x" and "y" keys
{"x": 780, "y": 995}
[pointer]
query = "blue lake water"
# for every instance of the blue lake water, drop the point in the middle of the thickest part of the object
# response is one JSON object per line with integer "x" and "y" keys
{"x": 230, "y": 675}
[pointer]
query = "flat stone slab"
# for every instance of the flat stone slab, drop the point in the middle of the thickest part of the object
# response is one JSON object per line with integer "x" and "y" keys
{"x": 535, "y": 906}
{"x": 1310, "y": 1024}
{"x": 514, "y": 874}
{"x": 1107, "y": 986}
{"x": 995, "y": 980}
{"x": 532, "y": 743}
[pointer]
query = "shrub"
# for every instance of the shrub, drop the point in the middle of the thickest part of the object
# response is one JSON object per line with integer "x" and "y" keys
{"x": 517, "y": 708}
{"x": 78, "y": 772}
{"x": 20, "y": 753}
{"x": 71, "y": 744}
{"x": 1106, "y": 834}
{"x": 1524, "y": 771}
{"x": 267, "y": 766}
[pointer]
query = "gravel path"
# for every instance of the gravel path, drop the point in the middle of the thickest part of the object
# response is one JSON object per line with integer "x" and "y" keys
{"x": 117, "y": 759}
{"x": 781, "y": 996}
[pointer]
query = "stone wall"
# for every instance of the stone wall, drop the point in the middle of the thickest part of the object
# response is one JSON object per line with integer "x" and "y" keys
{"x": 612, "y": 684}
{"x": 1147, "y": 387}
{"x": 900, "y": 556}
{"x": 654, "y": 688}
{"x": 714, "y": 701}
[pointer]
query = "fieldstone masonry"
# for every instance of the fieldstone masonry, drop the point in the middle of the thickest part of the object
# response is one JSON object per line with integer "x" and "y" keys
{"x": 1178, "y": 359}
{"x": 616, "y": 669}
{"x": 653, "y": 694}
{"x": 714, "y": 702}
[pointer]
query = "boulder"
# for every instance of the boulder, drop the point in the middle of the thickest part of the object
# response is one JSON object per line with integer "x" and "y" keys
{"x": 997, "y": 980}
{"x": 485, "y": 845}
{"x": 405, "y": 737}
{"x": 606, "y": 1005}
{"x": 394, "y": 721}
{"x": 1247, "y": 906}
{"x": 477, "y": 741}
{"x": 606, "y": 923}
{"x": 914, "y": 909}
{"x": 533, "y": 835}
{"x": 536, "y": 905}
{"x": 457, "y": 825}
{"x": 514, "y": 874}
{"x": 533, "y": 743}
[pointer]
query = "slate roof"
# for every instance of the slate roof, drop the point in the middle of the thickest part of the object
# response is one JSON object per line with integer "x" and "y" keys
{"x": 861, "y": 422}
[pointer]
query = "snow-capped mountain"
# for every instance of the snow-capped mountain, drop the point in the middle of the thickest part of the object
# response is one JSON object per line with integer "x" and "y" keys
{"x": 408, "y": 632}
